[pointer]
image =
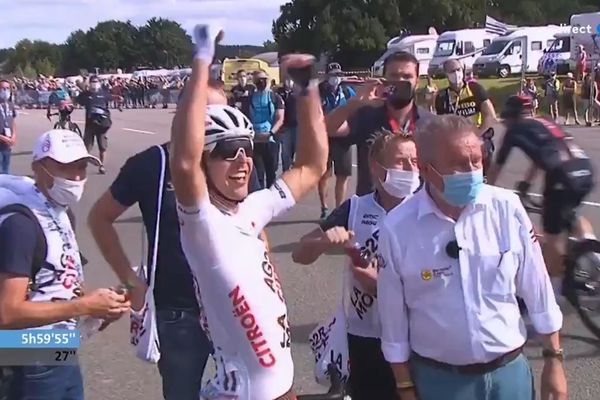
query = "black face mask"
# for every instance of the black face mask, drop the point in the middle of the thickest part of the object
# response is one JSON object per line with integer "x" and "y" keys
{"x": 401, "y": 95}
{"x": 261, "y": 85}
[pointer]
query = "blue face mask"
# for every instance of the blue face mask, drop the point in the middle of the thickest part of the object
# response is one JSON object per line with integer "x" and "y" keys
{"x": 461, "y": 188}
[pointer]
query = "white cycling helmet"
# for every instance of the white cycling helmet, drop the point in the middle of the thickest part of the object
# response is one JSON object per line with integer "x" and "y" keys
{"x": 225, "y": 122}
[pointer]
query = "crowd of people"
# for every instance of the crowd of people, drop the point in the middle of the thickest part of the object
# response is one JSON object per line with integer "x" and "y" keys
{"x": 136, "y": 92}
{"x": 443, "y": 267}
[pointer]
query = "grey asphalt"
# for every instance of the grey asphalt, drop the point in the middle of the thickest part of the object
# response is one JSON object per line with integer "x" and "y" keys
{"x": 112, "y": 372}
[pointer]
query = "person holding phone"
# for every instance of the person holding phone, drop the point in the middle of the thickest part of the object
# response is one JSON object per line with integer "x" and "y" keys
{"x": 354, "y": 226}
{"x": 387, "y": 104}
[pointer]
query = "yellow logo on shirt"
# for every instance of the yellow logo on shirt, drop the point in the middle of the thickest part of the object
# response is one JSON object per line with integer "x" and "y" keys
{"x": 426, "y": 275}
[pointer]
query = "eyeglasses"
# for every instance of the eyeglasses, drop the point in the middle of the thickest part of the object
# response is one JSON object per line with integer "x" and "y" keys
{"x": 452, "y": 249}
{"x": 230, "y": 150}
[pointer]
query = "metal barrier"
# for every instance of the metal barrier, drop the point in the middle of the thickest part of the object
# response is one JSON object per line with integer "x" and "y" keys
{"x": 36, "y": 98}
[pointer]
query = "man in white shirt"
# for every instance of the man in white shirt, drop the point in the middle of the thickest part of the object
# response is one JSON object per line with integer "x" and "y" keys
{"x": 448, "y": 291}
{"x": 238, "y": 289}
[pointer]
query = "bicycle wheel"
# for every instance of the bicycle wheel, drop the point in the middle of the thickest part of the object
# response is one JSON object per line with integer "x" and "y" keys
{"x": 75, "y": 128}
{"x": 582, "y": 283}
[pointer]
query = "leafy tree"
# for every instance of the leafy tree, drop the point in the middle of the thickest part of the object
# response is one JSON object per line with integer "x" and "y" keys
{"x": 165, "y": 43}
{"x": 77, "y": 53}
{"x": 29, "y": 71}
{"x": 269, "y": 45}
{"x": 45, "y": 67}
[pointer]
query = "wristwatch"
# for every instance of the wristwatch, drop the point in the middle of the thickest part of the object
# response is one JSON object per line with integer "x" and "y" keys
{"x": 549, "y": 353}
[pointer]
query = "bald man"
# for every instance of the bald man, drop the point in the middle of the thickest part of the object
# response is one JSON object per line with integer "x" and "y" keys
{"x": 183, "y": 345}
{"x": 470, "y": 252}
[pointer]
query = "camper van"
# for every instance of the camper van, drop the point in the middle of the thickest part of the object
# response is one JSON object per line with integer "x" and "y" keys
{"x": 464, "y": 44}
{"x": 590, "y": 42}
{"x": 522, "y": 46}
{"x": 421, "y": 46}
{"x": 557, "y": 56}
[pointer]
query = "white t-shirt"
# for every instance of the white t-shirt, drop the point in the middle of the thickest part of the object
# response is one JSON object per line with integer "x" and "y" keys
{"x": 240, "y": 294}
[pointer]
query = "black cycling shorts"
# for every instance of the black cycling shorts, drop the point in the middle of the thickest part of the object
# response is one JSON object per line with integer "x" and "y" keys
{"x": 371, "y": 376}
{"x": 565, "y": 189}
{"x": 340, "y": 156}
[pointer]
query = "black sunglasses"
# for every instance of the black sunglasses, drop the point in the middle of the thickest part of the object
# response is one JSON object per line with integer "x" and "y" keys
{"x": 229, "y": 150}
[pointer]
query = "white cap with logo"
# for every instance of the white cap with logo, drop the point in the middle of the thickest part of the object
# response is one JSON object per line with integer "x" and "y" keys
{"x": 62, "y": 146}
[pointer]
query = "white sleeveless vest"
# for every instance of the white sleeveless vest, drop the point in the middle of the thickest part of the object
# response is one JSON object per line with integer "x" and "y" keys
{"x": 361, "y": 307}
{"x": 61, "y": 276}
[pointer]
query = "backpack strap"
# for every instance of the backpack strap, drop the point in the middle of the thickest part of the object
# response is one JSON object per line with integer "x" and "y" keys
{"x": 41, "y": 246}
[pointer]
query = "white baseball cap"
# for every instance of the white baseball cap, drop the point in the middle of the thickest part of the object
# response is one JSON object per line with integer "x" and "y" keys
{"x": 63, "y": 146}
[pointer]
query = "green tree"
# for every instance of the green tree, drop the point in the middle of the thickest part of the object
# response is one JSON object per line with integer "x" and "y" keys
{"x": 77, "y": 53}
{"x": 45, "y": 67}
{"x": 113, "y": 45}
{"x": 269, "y": 45}
{"x": 164, "y": 43}
{"x": 29, "y": 71}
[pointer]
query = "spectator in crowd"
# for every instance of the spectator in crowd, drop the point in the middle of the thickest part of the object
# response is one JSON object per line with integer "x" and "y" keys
{"x": 8, "y": 126}
{"x": 41, "y": 274}
{"x": 241, "y": 93}
{"x": 376, "y": 107}
{"x": 530, "y": 90}
{"x": 581, "y": 66}
{"x": 287, "y": 138}
{"x": 569, "y": 104}
{"x": 470, "y": 252}
{"x": 267, "y": 112}
{"x": 333, "y": 95}
{"x": 551, "y": 92}
{"x": 430, "y": 93}
{"x": 394, "y": 169}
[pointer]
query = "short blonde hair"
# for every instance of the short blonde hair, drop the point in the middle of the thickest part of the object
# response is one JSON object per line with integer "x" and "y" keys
{"x": 385, "y": 139}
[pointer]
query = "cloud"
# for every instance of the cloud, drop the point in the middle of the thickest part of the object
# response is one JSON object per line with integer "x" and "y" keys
{"x": 244, "y": 21}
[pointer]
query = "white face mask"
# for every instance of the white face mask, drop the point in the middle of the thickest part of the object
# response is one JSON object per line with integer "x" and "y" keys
{"x": 4, "y": 94}
{"x": 243, "y": 81}
{"x": 335, "y": 81}
{"x": 400, "y": 183}
{"x": 66, "y": 192}
{"x": 456, "y": 77}
{"x": 95, "y": 86}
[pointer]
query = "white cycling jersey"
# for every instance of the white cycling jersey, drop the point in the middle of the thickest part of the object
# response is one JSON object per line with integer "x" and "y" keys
{"x": 240, "y": 294}
{"x": 361, "y": 306}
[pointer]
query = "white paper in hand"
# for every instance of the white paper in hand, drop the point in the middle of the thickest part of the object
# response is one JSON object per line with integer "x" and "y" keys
{"x": 204, "y": 37}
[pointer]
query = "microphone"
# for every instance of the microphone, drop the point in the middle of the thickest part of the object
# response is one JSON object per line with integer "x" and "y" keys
{"x": 452, "y": 249}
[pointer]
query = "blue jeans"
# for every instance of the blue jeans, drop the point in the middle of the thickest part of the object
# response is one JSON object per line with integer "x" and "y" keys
{"x": 48, "y": 383}
{"x": 287, "y": 140}
{"x": 5, "y": 161}
{"x": 184, "y": 351}
{"x": 513, "y": 381}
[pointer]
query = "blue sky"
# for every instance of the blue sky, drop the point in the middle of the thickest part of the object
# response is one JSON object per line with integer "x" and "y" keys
{"x": 245, "y": 21}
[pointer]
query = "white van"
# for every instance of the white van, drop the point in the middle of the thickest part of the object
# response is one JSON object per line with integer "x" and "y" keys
{"x": 557, "y": 56}
{"x": 589, "y": 41}
{"x": 421, "y": 46}
{"x": 522, "y": 46}
{"x": 464, "y": 44}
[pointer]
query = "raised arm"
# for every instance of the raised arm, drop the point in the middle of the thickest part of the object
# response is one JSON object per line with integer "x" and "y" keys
{"x": 311, "y": 157}
{"x": 187, "y": 131}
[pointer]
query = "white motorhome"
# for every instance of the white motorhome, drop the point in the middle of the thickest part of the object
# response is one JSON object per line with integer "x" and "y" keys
{"x": 590, "y": 40}
{"x": 522, "y": 46}
{"x": 557, "y": 57}
{"x": 464, "y": 44}
{"x": 421, "y": 46}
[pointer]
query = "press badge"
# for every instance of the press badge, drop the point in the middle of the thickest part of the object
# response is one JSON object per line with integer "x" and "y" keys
{"x": 8, "y": 132}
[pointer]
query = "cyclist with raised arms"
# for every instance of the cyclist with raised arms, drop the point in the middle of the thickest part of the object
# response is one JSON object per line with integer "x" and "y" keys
{"x": 568, "y": 177}
{"x": 240, "y": 294}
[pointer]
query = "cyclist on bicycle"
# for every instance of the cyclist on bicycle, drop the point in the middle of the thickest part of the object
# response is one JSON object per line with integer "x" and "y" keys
{"x": 60, "y": 99}
{"x": 238, "y": 289}
{"x": 568, "y": 177}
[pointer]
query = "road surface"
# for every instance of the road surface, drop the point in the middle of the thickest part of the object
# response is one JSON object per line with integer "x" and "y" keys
{"x": 111, "y": 371}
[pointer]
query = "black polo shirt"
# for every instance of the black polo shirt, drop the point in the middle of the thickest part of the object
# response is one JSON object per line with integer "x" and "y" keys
{"x": 137, "y": 182}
